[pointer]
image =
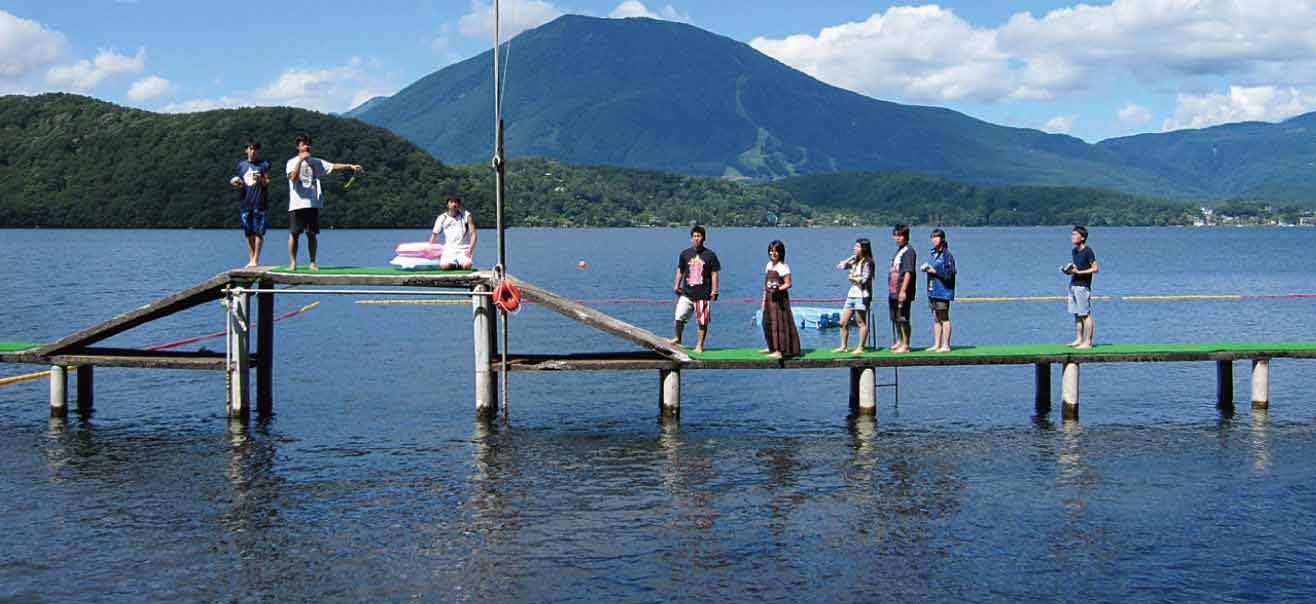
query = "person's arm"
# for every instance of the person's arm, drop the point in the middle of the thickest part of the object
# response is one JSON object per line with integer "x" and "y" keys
{"x": 470, "y": 224}
{"x": 433, "y": 237}
{"x": 296, "y": 167}
{"x": 844, "y": 264}
{"x": 785, "y": 283}
{"x": 905, "y": 278}
{"x": 1088, "y": 271}
{"x": 353, "y": 167}
{"x": 715, "y": 284}
{"x": 676, "y": 283}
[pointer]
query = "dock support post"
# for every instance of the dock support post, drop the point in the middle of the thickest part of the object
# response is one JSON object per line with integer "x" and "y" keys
{"x": 1224, "y": 384}
{"x": 265, "y": 352}
{"x": 86, "y": 389}
{"x": 486, "y": 389}
{"x": 669, "y": 383}
{"x": 239, "y": 356}
{"x": 1042, "y": 385}
{"x": 1261, "y": 384}
{"x": 59, "y": 391}
{"x": 1069, "y": 391}
{"x": 863, "y": 390}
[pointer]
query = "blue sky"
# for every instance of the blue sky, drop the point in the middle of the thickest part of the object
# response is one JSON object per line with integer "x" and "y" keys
{"x": 1094, "y": 71}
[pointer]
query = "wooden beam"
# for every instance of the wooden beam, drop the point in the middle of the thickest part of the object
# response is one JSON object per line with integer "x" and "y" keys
{"x": 143, "y": 359}
{"x": 598, "y": 320}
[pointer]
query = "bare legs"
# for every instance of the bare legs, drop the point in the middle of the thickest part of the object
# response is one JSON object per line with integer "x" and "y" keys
{"x": 253, "y": 250}
{"x": 311, "y": 245}
{"x": 680, "y": 328}
{"x": 940, "y": 331}
{"x": 845, "y": 331}
{"x": 1083, "y": 327}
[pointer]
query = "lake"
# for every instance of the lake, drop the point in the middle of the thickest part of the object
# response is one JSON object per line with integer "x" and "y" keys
{"x": 374, "y": 482}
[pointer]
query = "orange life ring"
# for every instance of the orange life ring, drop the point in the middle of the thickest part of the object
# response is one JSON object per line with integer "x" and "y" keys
{"x": 506, "y": 296}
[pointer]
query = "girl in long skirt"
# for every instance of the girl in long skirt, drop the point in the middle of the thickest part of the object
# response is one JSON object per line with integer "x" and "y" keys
{"x": 778, "y": 320}
{"x": 860, "y": 294}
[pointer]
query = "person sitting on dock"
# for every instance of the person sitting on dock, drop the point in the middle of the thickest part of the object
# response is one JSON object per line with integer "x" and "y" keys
{"x": 254, "y": 180}
{"x": 695, "y": 286}
{"x": 459, "y": 236}
{"x": 304, "y": 197}
{"x": 1080, "y": 272}
{"x": 859, "y": 298}
{"x": 940, "y": 268}
{"x": 900, "y": 286}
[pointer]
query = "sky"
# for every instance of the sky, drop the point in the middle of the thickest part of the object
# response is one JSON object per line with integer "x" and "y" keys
{"x": 1094, "y": 71}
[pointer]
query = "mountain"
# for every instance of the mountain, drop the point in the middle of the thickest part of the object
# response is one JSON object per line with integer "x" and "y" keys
{"x": 668, "y": 96}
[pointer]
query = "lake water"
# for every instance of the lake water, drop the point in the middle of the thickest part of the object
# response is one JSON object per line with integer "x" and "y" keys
{"x": 374, "y": 482}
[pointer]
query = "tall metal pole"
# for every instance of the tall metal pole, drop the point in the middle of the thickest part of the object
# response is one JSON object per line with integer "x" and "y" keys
{"x": 499, "y": 187}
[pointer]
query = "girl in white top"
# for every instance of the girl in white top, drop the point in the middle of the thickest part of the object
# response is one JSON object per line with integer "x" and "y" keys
{"x": 860, "y": 296}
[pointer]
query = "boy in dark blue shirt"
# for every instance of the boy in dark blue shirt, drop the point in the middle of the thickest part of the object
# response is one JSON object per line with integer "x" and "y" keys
{"x": 1080, "y": 273}
{"x": 254, "y": 180}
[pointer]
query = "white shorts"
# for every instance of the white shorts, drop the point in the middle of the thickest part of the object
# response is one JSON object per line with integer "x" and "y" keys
{"x": 455, "y": 255}
{"x": 701, "y": 309}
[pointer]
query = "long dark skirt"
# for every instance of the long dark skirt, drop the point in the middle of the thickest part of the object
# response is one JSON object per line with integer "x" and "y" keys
{"x": 779, "y": 324}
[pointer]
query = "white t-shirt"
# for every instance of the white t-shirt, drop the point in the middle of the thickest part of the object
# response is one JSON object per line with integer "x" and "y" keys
{"x": 782, "y": 268}
{"x": 304, "y": 190}
{"x": 456, "y": 231}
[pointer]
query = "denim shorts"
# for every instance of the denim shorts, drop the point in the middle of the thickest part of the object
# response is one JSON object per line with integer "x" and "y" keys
{"x": 855, "y": 303}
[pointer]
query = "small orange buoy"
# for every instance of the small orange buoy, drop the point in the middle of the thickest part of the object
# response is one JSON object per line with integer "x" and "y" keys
{"x": 582, "y": 265}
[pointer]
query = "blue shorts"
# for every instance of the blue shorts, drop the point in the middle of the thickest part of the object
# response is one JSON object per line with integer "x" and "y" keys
{"x": 253, "y": 222}
{"x": 858, "y": 303}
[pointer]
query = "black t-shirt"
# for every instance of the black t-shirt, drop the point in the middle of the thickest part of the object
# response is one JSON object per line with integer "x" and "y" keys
{"x": 1083, "y": 260}
{"x": 697, "y": 270}
{"x": 905, "y": 261}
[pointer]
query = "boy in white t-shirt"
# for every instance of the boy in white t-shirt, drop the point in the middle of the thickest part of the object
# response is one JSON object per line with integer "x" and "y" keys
{"x": 459, "y": 236}
{"x": 304, "y": 197}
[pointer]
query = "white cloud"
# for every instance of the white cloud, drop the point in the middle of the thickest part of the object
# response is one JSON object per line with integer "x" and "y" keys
{"x": 928, "y": 53}
{"x": 197, "y": 105}
{"x": 635, "y": 8}
{"x": 1060, "y": 124}
{"x": 1134, "y": 115}
{"x": 148, "y": 88}
{"x": 86, "y": 75}
{"x": 27, "y": 45}
{"x": 1265, "y": 103}
{"x": 516, "y": 16}
{"x": 324, "y": 89}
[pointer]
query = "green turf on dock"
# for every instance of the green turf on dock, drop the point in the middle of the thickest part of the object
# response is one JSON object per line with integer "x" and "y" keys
{"x": 367, "y": 270}
{"x": 18, "y": 346}
{"x": 1016, "y": 350}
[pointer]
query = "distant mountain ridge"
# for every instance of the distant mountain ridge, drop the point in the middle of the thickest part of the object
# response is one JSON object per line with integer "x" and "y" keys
{"x": 667, "y": 96}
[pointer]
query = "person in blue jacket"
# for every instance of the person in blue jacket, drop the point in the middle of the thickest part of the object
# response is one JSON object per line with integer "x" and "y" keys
{"x": 940, "y": 269}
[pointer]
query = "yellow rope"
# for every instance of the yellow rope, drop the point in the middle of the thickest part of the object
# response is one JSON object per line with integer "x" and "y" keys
{"x": 28, "y": 377}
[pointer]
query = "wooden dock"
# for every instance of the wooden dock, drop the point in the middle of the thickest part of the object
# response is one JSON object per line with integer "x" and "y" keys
{"x": 236, "y": 287}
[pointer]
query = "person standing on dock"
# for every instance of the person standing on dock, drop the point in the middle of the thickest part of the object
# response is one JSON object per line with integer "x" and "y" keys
{"x": 459, "y": 236}
{"x": 778, "y": 320}
{"x": 305, "y": 198}
{"x": 859, "y": 298}
{"x": 254, "y": 180}
{"x": 695, "y": 286}
{"x": 940, "y": 269}
{"x": 901, "y": 287}
{"x": 1080, "y": 271}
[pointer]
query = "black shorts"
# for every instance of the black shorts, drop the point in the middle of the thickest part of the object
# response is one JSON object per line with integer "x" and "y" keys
{"x": 937, "y": 304}
{"x": 899, "y": 311}
{"x": 304, "y": 220}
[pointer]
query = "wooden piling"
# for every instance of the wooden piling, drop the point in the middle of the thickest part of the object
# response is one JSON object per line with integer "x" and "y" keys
{"x": 863, "y": 390}
{"x": 265, "y": 351}
{"x": 1261, "y": 384}
{"x": 482, "y": 321}
{"x": 1224, "y": 384}
{"x": 86, "y": 388}
{"x": 1069, "y": 391}
{"x": 239, "y": 356}
{"x": 1042, "y": 387}
{"x": 669, "y": 385}
{"x": 59, "y": 391}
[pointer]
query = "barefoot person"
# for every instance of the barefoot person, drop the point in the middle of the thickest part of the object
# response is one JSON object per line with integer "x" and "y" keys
{"x": 900, "y": 286}
{"x": 859, "y": 298}
{"x": 459, "y": 236}
{"x": 254, "y": 180}
{"x": 695, "y": 286}
{"x": 778, "y": 320}
{"x": 1080, "y": 272}
{"x": 305, "y": 198}
{"x": 940, "y": 269}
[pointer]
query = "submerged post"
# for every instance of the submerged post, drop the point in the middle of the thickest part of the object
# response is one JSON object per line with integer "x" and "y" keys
{"x": 239, "y": 356}
{"x": 86, "y": 386}
{"x": 59, "y": 391}
{"x": 863, "y": 390}
{"x": 482, "y": 321}
{"x": 1042, "y": 387}
{"x": 669, "y": 382}
{"x": 265, "y": 351}
{"x": 1224, "y": 384}
{"x": 1069, "y": 391}
{"x": 1261, "y": 384}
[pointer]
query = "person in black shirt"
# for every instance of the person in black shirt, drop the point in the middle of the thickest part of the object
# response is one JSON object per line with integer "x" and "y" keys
{"x": 695, "y": 286}
{"x": 900, "y": 287}
{"x": 1080, "y": 273}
